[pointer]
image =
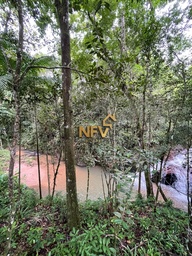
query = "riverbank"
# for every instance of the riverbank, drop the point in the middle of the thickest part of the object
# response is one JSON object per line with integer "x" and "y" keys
{"x": 97, "y": 185}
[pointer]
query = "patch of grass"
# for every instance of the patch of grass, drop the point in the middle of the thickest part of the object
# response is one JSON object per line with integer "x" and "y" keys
{"x": 4, "y": 160}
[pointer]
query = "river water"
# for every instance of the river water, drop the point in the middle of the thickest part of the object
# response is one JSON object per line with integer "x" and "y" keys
{"x": 29, "y": 176}
{"x": 97, "y": 184}
{"x": 176, "y": 164}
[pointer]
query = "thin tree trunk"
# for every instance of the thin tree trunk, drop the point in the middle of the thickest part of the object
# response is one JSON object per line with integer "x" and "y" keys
{"x": 48, "y": 174}
{"x": 16, "y": 85}
{"x": 38, "y": 160}
{"x": 143, "y": 116}
{"x": 151, "y": 158}
{"x": 149, "y": 132}
{"x": 19, "y": 160}
{"x": 123, "y": 34}
{"x": 149, "y": 188}
{"x": 62, "y": 8}
{"x": 159, "y": 189}
{"x": 189, "y": 198}
{"x": 88, "y": 177}
{"x": 55, "y": 174}
{"x": 162, "y": 194}
{"x": 145, "y": 167}
{"x": 58, "y": 149}
{"x": 189, "y": 192}
{"x": 158, "y": 181}
{"x": 162, "y": 165}
{"x": 103, "y": 184}
{"x": 188, "y": 182}
{"x": 139, "y": 184}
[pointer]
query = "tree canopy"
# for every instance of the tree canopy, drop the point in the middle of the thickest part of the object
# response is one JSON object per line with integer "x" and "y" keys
{"x": 66, "y": 64}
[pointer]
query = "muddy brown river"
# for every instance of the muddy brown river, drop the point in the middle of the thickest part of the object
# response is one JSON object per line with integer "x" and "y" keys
{"x": 29, "y": 176}
{"x": 97, "y": 184}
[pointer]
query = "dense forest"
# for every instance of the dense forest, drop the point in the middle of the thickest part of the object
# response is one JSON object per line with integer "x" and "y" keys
{"x": 104, "y": 84}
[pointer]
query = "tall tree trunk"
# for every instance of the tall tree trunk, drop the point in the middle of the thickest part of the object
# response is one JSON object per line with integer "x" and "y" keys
{"x": 62, "y": 7}
{"x": 143, "y": 116}
{"x": 123, "y": 33}
{"x": 149, "y": 187}
{"x": 13, "y": 148}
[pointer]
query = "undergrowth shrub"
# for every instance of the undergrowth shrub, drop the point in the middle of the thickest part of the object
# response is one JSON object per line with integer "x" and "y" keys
{"x": 92, "y": 241}
{"x": 133, "y": 229}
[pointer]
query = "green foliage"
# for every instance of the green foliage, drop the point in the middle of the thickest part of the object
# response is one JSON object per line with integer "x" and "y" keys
{"x": 4, "y": 160}
{"x": 27, "y": 198}
{"x": 34, "y": 239}
{"x": 93, "y": 241}
{"x": 4, "y": 81}
{"x": 133, "y": 229}
{"x": 4, "y": 199}
{"x": 127, "y": 58}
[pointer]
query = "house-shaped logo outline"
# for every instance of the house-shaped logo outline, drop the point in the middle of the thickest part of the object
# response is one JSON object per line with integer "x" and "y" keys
{"x": 109, "y": 116}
